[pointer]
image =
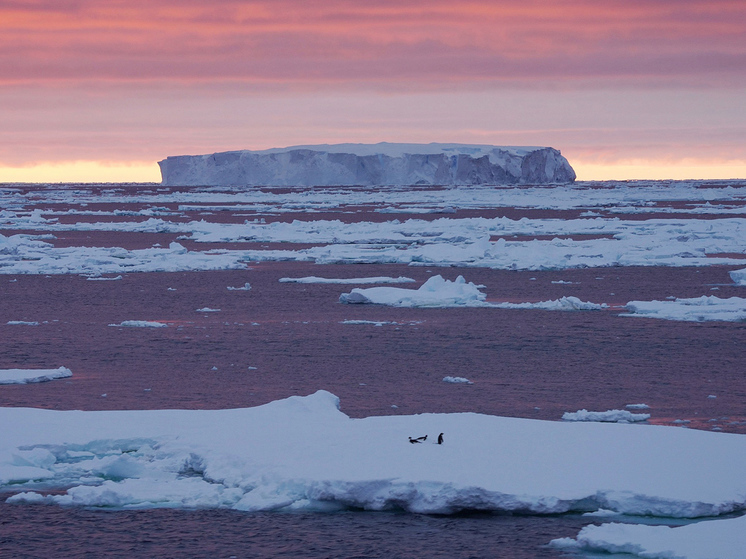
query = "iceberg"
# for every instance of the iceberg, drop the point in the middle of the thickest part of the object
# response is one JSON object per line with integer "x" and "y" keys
{"x": 382, "y": 164}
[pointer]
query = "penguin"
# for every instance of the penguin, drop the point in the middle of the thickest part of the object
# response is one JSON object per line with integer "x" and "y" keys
{"x": 413, "y": 441}
{"x": 440, "y": 438}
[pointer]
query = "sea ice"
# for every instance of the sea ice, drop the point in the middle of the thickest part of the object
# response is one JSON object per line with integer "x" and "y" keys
{"x": 302, "y": 453}
{"x": 435, "y": 292}
{"x": 246, "y": 287}
{"x": 711, "y": 539}
{"x": 140, "y": 324}
{"x": 610, "y": 416}
{"x": 457, "y": 380}
{"x": 25, "y": 376}
{"x": 354, "y": 281}
{"x": 443, "y": 293}
{"x": 22, "y": 323}
{"x": 698, "y": 309}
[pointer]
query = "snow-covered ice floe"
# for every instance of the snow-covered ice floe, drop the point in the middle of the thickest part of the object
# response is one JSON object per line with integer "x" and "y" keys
{"x": 246, "y": 287}
{"x": 140, "y": 324}
{"x": 303, "y": 453}
{"x": 25, "y": 376}
{"x": 441, "y": 293}
{"x": 354, "y": 281}
{"x": 609, "y": 416}
{"x": 457, "y": 380}
{"x": 697, "y": 309}
{"x": 738, "y": 276}
{"x": 711, "y": 539}
{"x": 22, "y": 323}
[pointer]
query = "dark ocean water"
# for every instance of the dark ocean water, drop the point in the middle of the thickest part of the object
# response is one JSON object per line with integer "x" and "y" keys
{"x": 40, "y": 531}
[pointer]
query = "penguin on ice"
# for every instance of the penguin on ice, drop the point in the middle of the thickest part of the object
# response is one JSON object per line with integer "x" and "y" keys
{"x": 440, "y": 438}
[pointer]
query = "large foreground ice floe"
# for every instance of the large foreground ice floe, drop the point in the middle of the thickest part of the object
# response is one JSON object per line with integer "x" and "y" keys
{"x": 303, "y": 453}
{"x": 25, "y": 376}
{"x": 697, "y": 309}
{"x": 441, "y": 293}
{"x": 718, "y": 539}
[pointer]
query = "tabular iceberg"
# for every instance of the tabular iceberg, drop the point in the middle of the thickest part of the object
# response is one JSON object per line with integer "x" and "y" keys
{"x": 380, "y": 164}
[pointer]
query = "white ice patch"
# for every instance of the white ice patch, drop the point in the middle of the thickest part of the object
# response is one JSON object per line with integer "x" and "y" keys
{"x": 303, "y": 453}
{"x": 246, "y": 287}
{"x": 698, "y": 309}
{"x": 22, "y": 323}
{"x": 25, "y": 376}
{"x": 637, "y": 407}
{"x": 712, "y": 539}
{"x": 354, "y": 281}
{"x": 738, "y": 276}
{"x": 207, "y": 309}
{"x": 443, "y": 293}
{"x": 610, "y": 416}
{"x": 140, "y": 324}
{"x": 457, "y": 380}
{"x": 435, "y": 292}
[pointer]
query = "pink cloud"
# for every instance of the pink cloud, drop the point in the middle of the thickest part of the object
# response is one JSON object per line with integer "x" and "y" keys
{"x": 376, "y": 42}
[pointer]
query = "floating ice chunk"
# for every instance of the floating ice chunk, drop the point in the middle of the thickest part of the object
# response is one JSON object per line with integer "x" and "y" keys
{"x": 720, "y": 539}
{"x": 698, "y": 309}
{"x": 357, "y": 281}
{"x": 561, "y": 304}
{"x": 207, "y": 309}
{"x": 246, "y": 287}
{"x": 373, "y": 322}
{"x": 610, "y": 416}
{"x": 140, "y": 324}
{"x": 738, "y": 276}
{"x": 457, "y": 380}
{"x": 637, "y": 406}
{"x": 435, "y": 292}
{"x": 115, "y": 278}
{"x": 21, "y": 323}
{"x": 276, "y": 456}
{"x": 25, "y": 376}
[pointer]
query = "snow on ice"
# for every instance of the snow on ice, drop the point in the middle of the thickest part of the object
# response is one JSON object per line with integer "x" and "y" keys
{"x": 697, "y": 309}
{"x": 25, "y": 376}
{"x": 441, "y": 293}
{"x": 357, "y": 281}
{"x": 140, "y": 324}
{"x": 302, "y": 453}
{"x": 610, "y": 416}
{"x": 711, "y": 539}
{"x": 457, "y": 380}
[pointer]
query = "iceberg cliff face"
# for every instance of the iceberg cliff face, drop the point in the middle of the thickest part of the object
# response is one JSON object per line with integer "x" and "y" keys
{"x": 371, "y": 165}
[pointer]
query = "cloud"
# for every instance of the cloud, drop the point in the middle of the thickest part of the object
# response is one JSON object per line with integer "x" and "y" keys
{"x": 376, "y": 43}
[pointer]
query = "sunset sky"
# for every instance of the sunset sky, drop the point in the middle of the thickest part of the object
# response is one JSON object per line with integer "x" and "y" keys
{"x": 99, "y": 90}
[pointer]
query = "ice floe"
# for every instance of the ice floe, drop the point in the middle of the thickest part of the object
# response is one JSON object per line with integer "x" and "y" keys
{"x": 435, "y": 292}
{"x": 140, "y": 324}
{"x": 246, "y": 287}
{"x": 22, "y": 323}
{"x": 25, "y": 376}
{"x": 738, "y": 276}
{"x": 711, "y": 539}
{"x": 442, "y": 293}
{"x": 302, "y": 453}
{"x": 609, "y": 416}
{"x": 697, "y": 309}
{"x": 457, "y": 380}
{"x": 354, "y": 281}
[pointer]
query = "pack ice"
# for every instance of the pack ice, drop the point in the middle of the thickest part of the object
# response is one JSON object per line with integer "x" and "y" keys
{"x": 303, "y": 453}
{"x": 370, "y": 165}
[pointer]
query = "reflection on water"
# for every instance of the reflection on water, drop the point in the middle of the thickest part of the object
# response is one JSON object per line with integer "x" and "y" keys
{"x": 46, "y": 531}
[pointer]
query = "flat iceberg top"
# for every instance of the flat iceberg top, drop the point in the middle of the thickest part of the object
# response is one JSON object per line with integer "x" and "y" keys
{"x": 398, "y": 150}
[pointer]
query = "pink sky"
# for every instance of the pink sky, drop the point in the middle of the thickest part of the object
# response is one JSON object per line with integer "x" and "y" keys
{"x": 621, "y": 87}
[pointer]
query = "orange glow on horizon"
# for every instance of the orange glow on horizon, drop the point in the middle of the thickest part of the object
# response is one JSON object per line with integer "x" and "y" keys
{"x": 139, "y": 171}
